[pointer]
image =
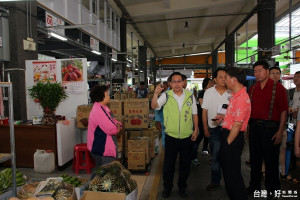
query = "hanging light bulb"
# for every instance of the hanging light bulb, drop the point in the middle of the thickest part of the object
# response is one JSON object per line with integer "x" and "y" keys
{"x": 186, "y": 25}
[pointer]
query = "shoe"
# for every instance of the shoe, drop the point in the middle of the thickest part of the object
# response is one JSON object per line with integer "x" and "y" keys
{"x": 205, "y": 152}
{"x": 166, "y": 193}
{"x": 182, "y": 193}
{"x": 196, "y": 162}
{"x": 212, "y": 187}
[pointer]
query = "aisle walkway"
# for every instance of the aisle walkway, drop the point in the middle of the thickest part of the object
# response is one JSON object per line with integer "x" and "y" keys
{"x": 200, "y": 177}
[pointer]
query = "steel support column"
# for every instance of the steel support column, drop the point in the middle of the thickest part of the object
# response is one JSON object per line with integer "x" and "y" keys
{"x": 229, "y": 51}
{"x": 142, "y": 57}
{"x": 153, "y": 70}
{"x": 266, "y": 28}
{"x": 214, "y": 60}
{"x": 18, "y": 21}
{"x": 123, "y": 45}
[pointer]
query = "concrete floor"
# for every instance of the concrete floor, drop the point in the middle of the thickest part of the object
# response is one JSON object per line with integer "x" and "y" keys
{"x": 150, "y": 186}
{"x": 200, "y": 177}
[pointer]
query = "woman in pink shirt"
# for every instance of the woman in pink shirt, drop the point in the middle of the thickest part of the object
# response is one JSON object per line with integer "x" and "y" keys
{"x": 102, "y": 128}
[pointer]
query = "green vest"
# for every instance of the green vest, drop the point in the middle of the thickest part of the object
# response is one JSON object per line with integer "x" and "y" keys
{"x": 178, "y": 124}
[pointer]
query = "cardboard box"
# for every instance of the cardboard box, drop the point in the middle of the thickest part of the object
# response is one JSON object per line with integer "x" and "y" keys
{"x": 117, "y": 96}
{"x": 116, "y": 107}
{"x": 121, "y": 140}
{"x": 91, "y": 195}
{"x": 145, "y": 133}
{"x": 120, "y": 118}
{"x": 131, "y": 95}
{"x": 82, "y": 118}
{"x": 136, "y": 113}
{"x": 124, "y": 96}
{"x": 136, "y": 160}
{"x": 140, "y": 145}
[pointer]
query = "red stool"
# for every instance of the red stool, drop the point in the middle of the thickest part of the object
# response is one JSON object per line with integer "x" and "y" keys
{"x": 78, "y": 162}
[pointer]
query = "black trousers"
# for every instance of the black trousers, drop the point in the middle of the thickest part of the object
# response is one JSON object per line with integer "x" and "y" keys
{"x": 230, "y": 158}
{"x": 262, "y": 148}
{"x": 174, "y": 146}
{"x": 197, "y": 142}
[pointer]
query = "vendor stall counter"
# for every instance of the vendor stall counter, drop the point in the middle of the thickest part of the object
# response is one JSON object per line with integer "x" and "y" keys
{"x": 28, "y": 138}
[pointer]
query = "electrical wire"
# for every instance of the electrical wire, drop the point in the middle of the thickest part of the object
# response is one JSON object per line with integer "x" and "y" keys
{"x": 27, "y": 18}
{"x": 30, "y": 19}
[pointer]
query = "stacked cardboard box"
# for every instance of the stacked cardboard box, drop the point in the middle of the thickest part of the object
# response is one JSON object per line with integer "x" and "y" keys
{"x": 138, "y": 153}
{"x": 82, "y": 118}
{"x": 121, "y": 140}
{"x": 116, "y": 107}
{"x": 136, "y": 113}
{"x": 145, "y": 133}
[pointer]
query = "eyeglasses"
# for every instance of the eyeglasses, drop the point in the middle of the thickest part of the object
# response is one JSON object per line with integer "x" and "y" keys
{"x": 276, "y": 73}
{"x": 174, "y": 82}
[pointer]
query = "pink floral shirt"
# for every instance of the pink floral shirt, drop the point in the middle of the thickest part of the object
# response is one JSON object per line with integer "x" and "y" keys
{"x": 239, "y": 110}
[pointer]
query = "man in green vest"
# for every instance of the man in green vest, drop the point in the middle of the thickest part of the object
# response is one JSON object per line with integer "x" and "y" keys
{"x": 181, "y": 128}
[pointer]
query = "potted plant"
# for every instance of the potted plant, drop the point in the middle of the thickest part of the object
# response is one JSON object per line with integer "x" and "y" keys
{"x": 49, "y": 95}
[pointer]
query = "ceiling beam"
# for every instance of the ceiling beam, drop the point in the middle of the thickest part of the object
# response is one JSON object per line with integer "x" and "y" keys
{"x": 170, "y": 27}
{"x": 252, "y": 12}
{"x": 203, "y": 22}
{"x": 248, "y": 6}
{"x": 167, "y": 4}
{"x": 158, "y": 7}
{"x": 129, "y": 19}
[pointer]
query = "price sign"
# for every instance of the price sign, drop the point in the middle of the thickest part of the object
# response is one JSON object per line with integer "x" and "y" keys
{"x": 94, "y": 44}
{"x": 52, "y": 21}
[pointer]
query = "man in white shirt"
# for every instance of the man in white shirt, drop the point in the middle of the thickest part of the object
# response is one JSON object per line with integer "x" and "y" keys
{"x": 213, "y": 101}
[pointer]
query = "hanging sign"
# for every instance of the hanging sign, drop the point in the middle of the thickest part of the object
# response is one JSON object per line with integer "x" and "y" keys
{"x": 52, "y": 21}
{"x": 114, "y": 54}
{"x": 94, "y": 44}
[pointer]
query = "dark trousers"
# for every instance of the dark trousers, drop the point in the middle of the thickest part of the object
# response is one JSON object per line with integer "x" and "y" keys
{"x": 262, "y": 148}
{"x": 215, "y": 145}
{"x": 230, "y": 158}
{"x": 174, "y": 146}
{"x": 197, "y": 142}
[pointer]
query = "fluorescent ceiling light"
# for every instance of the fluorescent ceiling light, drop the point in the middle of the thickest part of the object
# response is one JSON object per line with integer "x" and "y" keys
{"x": 136, "y": 69}
{"x": 129, "y": 60}
{"x": 58, "y": 36}
{"x": 141, "y": 71}
{"x": 113, "y": 59}
{"x": 128, "y": 65}
{"x": 96, "y": 52}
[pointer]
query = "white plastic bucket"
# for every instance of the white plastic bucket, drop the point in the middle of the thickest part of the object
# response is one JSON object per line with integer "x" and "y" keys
{"x": 44, "y": 161}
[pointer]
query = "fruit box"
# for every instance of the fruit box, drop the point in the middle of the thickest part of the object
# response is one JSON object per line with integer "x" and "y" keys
{"x": 121, "y": 139}
{"x": 144, "y": 133}
{"x": 140, "y": 145}
{"x": 116, "y": 107}
{"x": 136, "y": 113}
{"x": 82, "y": 118}
{"x": 91, "y": 195}
{"x": 136, "y": 160}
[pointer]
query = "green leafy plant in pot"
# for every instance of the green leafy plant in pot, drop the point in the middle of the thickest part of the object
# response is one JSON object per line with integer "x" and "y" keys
{"x": 49, "y": 95}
